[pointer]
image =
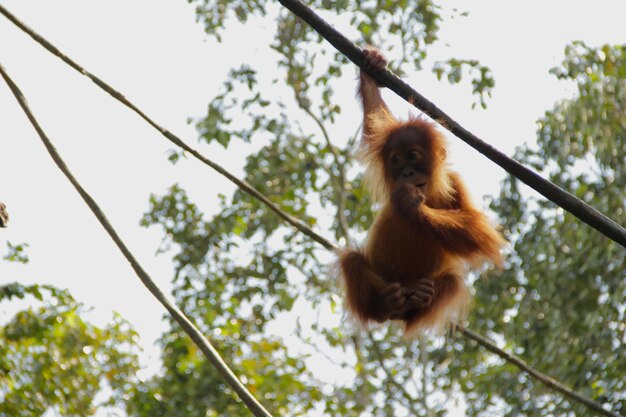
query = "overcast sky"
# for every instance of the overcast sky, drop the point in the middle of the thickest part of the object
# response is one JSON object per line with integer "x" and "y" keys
{"x": 160, "y": 58}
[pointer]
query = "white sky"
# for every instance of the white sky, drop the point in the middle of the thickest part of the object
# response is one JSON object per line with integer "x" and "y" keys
{"x": 159, "y": 57}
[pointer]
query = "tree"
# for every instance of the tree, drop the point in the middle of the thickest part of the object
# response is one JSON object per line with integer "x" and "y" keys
{"x": 51, "y": 359}
{"x": 560, "y": 303}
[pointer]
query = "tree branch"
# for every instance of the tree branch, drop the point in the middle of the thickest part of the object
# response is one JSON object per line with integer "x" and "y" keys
{"x": 340, "y": 179}
{"x": 362, "y": 395}
{"x": 424, "y": 362}
{"x": 381, "y": 360}
{"x": 386, "y": 78}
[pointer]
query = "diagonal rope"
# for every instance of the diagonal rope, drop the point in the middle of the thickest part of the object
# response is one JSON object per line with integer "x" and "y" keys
{"x": 551, "y": 191}
{"x": 550, "y": 382}
{"x": 295, "y": 222}
{"x": 203, "y": 343}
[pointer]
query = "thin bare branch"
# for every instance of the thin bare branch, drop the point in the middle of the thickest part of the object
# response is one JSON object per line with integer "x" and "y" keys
{"x": 203, "y": 343}
{"x": 410, "y": 400}
{"x": 424, "y": 363}
{"x": 362, "y": 395}
{"x": 297, "y": 223}
{"x": 550, "y": 382}
{"x": 340, "y": 179}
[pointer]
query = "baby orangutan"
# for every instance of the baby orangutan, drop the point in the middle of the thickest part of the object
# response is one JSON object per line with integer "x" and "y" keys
{"x": 427, "y": 232}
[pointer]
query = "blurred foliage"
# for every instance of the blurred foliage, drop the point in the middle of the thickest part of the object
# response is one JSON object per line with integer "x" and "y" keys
{"x": 16, "y": 253}
{"x": 482, "y": 81}
{"x": 240, "y": 271}
{"x": 52, "y": 360}
{"x": 560, "y": 304}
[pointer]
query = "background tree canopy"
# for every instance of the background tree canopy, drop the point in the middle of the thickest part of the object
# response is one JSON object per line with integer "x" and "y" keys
{"x": 51, "y": 358}
{"x": 243, "y": 275}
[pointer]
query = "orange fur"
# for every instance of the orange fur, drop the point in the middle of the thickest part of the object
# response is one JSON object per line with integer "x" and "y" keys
{"x": 436, "y": 239}
{"x": 450, "y": 306}
{"x": 380, "y": 125}
{"x": 451, "y": 234}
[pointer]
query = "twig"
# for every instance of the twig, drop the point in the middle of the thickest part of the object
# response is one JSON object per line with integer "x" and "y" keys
{"x": 361, "y": 391}
{"x": 340, "y": 179}
{"x": 423, "y": 361}
{"x": 205, "y": 346}
{"x": 381, "y": 360}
